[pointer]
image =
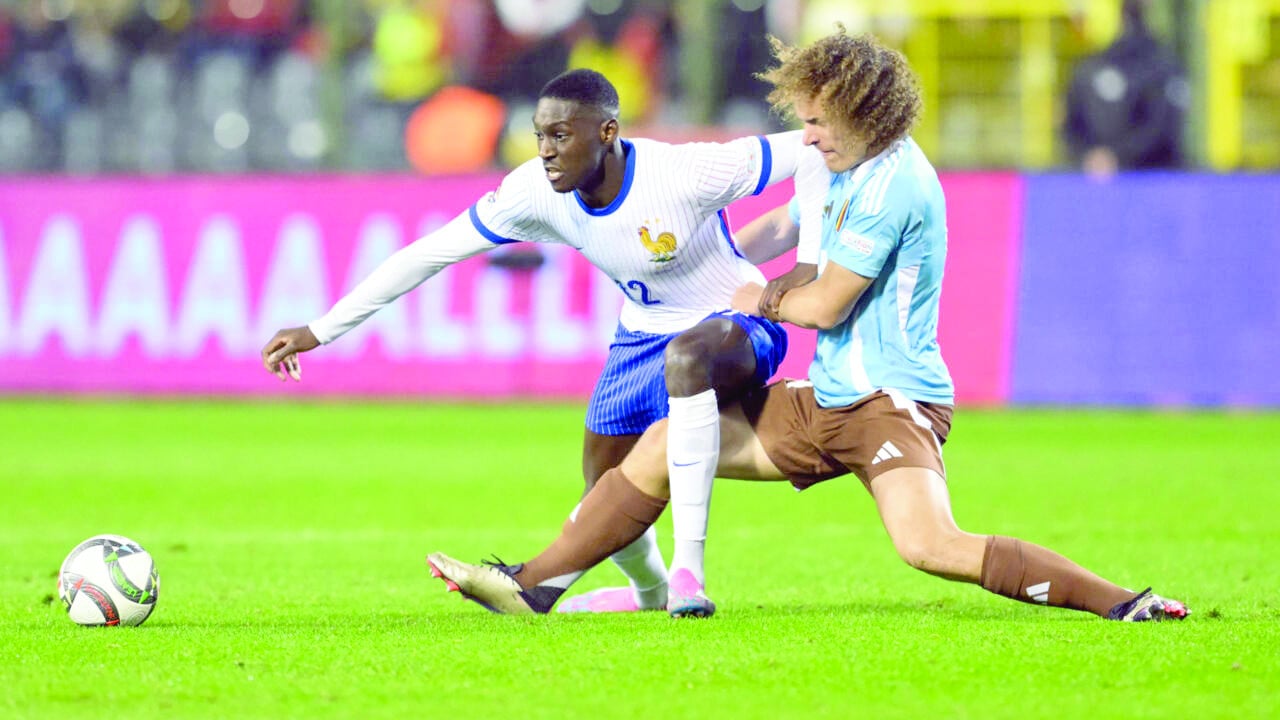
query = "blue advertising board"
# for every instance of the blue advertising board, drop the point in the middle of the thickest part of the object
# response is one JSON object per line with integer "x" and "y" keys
{"x": 1149, "y": 289}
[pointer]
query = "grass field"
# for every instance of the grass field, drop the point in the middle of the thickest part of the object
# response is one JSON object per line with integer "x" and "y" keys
{"x": 289, "y": 539}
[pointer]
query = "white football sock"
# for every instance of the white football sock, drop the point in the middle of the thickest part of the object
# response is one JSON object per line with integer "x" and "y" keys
{"x": 641, "y": 562}
{"x": 693, "y": 450}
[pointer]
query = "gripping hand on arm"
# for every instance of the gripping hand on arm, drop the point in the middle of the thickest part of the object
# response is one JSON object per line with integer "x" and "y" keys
{"x": 764, "y": 239}
{"x": 821, "y": 304}
{"x": 771, "y": 297}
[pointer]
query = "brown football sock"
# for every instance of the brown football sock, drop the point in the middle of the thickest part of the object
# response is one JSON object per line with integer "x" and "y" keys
{"x": 610, "y": 518}
{"x": 1032, "y": 574}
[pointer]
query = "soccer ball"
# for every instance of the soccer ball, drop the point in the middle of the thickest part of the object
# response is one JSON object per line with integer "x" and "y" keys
{"x": 108, "y": 580}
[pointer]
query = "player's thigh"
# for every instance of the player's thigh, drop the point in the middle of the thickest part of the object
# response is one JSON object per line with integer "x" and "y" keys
{"x": 759, "y": 344}
{"x": 601, "y": 452}
{"x": 742, "y": 454}
{"x": 913, "y": 502}
{"x": 646, "y": 465}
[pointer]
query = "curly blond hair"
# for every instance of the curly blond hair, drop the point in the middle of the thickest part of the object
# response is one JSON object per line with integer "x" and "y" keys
{"x": 863, "y": 87}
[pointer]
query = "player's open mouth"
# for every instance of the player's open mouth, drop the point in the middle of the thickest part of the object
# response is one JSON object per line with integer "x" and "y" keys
{"x": 554, "y": 174}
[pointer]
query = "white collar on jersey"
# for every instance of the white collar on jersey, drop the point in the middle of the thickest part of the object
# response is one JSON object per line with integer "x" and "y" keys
{"x": 859, "y": 171}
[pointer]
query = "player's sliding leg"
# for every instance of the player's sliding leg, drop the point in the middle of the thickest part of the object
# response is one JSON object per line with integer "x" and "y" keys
{"x": 625, "y": 502}
{"x": 612, "y": 516}
{"x": 641, "y": 561}
{"x": 916, "y": 510}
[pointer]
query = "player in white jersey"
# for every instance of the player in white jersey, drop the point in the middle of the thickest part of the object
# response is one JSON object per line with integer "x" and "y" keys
{"x": 651, "y": 216}
{"x": 880, "y": 401}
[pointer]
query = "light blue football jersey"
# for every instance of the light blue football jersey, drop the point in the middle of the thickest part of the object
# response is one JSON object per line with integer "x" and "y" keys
{"x": 885, "y": 220}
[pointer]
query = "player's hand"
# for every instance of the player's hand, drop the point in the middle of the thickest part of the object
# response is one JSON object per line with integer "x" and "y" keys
{"x": 801, "y": 274}
{"x": 280, "y": 354}
{"x": 746, "y": 299}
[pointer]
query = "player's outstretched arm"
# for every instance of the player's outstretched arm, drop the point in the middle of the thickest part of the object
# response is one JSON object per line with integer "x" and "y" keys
{"x": 280, "y": 354}
{"x": 403, "y": 271}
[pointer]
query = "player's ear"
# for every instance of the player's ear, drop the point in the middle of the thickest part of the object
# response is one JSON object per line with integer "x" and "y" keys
{"x": 609, "y": 131}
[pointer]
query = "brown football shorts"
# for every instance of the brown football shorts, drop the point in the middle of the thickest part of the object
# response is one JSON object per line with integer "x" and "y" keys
{"x": 878, "y": 433}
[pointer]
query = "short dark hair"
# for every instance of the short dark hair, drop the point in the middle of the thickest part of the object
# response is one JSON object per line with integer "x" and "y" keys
{"x": 587, "y": 87}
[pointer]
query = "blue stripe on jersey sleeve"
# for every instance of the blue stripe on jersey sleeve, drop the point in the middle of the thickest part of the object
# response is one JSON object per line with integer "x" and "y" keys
{"x": 488, "y": 234}
{"x": 766, "y": 164}
{"x": 728, "y": 236}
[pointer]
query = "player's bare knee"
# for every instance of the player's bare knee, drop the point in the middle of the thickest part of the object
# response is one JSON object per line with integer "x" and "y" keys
{"x": 915, "y": 554}
{"x": 926, "y": 553}
{"x": 688, "y": 366}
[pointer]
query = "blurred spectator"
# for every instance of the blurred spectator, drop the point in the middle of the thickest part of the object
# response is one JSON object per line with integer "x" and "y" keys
{"x": 261, "y": 27}
{"x": 155, "y": 26}
{"x": 250, "y": 17}
{"x": 1126, "y": 104}
{"x": 456, "y": 131}
{"x": 409, "y": 50}
{"x": 47, "y": 83}
{"x": 626, "y": 46}
{"x": 510, "y": 48}
{"x": 744, "y": 44}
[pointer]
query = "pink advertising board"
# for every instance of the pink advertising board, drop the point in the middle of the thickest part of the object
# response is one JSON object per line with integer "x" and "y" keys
{"x": 172, "y": 286}
{"x": 979, "y": 290}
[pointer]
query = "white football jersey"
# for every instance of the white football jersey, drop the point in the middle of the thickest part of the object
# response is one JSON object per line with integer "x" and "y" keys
{"x": 664, "y": 240}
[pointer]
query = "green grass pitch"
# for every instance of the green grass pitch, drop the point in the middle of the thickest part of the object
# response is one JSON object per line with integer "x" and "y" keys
{"x": 290, "y": 539}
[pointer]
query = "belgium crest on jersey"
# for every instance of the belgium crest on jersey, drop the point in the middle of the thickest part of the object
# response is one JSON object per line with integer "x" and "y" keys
{"x": 663, "y": 248}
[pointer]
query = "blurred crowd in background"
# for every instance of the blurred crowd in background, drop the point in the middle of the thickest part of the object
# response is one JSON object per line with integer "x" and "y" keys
{"x": 446, "y": 86}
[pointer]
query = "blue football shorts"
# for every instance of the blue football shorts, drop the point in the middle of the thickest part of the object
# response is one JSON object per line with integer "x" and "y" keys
{"x": 631, "y": 393}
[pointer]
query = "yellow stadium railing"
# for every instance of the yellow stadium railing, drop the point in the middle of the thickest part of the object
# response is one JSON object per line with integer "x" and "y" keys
{"x": 1242, "y": 83}
{"x": 993, "y": 72}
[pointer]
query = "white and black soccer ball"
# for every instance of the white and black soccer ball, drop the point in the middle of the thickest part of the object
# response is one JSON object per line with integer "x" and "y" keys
{"x": 108, "y": 580}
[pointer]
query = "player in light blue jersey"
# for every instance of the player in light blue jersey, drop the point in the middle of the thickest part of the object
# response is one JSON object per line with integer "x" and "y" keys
{"x": 879, "y": 401}
{"x": 887, "y": 221}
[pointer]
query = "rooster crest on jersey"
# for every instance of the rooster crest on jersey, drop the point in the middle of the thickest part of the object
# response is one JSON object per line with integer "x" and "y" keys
{"x": 663, "y": 249}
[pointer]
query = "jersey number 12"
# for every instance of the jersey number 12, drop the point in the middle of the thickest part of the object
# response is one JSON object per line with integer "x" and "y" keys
{"x": 637, "y": 292}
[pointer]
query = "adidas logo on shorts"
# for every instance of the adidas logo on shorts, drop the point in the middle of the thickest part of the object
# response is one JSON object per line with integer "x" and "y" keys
{"x": 887, "y": 451}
